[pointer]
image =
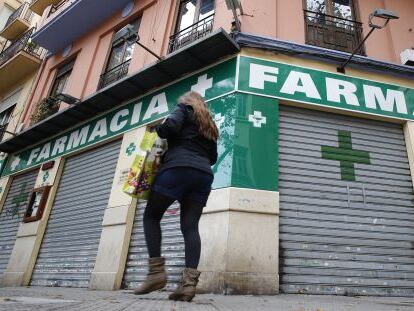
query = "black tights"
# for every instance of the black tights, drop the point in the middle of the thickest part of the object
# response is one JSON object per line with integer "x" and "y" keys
{"x": 189, "y": 217}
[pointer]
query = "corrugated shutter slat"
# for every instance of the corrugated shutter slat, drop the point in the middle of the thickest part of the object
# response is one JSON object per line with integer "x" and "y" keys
{"x": 9, "y": 223}
{"x": 338, "y": 236}
{"x": 69, "y": 247}
{"x": 172, "y": 248}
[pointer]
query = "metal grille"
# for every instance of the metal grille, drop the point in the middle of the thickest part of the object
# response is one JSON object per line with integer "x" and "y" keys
{"x": 190, "y": 34}
{"x": 172, "y": 248}
{"x": 68, "y": 251}
{"x": 12, "y": 214}
{"x": 56, "y": 7}
{"x": 341, "y": 236}
{"x": 21, "y": 44}
{"x": 19, "y": 14}
{"x": 114, "y": 74}
{"x": 333, "y": 32}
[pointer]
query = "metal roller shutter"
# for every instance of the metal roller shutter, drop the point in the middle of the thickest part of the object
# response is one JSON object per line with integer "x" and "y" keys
{"x": 172, "y": 248}
{"x": 12, "y": 213}
{"x": 339, "y": 235}
{"x": 70, "y": 244}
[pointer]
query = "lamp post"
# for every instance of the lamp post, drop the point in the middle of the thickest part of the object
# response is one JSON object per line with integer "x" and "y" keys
{"x": 379, "y": 13}
{"x": 66, "y": 98}
{"x": 132, "y": 35}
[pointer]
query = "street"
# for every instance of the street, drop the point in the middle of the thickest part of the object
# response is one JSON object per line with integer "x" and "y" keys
{"x": 42, "y": 299}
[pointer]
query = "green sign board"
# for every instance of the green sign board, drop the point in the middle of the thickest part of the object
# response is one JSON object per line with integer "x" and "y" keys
{"x": 211, "y": 83}
{"x": 253, "y": 115}
{"x": 322, "y": 88}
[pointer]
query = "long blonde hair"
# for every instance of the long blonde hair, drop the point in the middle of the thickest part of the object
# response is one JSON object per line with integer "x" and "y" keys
{"x": 205, "y": 122}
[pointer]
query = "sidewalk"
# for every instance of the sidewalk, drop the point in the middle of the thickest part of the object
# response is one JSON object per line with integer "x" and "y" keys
{"x": 41, "y": 298}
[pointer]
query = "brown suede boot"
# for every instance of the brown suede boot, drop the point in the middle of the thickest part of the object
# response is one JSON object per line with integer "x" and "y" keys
{"x": 156, "y": 277}
{"x": 187, "y": 288}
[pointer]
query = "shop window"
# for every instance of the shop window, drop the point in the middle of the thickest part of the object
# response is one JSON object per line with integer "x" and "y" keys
{"x": 194, "y": 20}
{"x": 37, "y": 204}
{"x": 120, "y": 55}
{"x": 332, "y": 24}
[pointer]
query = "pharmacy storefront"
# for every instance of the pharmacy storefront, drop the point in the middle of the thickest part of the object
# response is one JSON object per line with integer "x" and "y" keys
{"x": 313, "y": 190}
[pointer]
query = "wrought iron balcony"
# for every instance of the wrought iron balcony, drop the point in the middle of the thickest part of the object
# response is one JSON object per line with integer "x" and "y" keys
{"x": 19, "y": 45}
{"x": 17, "y": 23}
{"x": 19, "y": 59}
{"x": 38, "y": 6}
{"x": 114, "y": 74}
{"x": 191, "y": 33}
{"x": 333, "y": 32}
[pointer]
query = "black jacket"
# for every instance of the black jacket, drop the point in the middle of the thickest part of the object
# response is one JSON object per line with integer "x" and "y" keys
{"x": 186, "y": 146}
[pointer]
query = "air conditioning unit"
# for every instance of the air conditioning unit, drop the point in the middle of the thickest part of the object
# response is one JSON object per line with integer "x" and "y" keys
{"x": 407, "y": 57}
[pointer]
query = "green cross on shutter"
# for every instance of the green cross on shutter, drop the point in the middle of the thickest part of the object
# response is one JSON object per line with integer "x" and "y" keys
{"x": 346, "y": 156}
{"x": 18, "y": 200}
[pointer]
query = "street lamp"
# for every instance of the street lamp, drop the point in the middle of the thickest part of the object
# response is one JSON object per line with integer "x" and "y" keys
{"x": 132, "y": 35}
{"x": 66, "y": 98}
{"x": 379, "y": 13}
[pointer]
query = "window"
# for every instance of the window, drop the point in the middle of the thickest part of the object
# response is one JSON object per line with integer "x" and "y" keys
{"x": 5, "y": 117}
{"x": 338, "y": 8}
{"x": 37, "y": 204}
{"x": 5, "y": 13}
{"x": 7, "y": 106}
{"x": 193, "y": 11}
{"x": 61, "y": 78}
{"x": 331, "y": 24}
{"x": 120, "y": 55}
{"x": 194, "y": 20}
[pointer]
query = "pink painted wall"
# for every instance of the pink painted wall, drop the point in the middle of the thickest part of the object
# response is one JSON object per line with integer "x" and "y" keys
{"x": 281, "y": 19}
{"x": 402, "y": 30}
{"x": 91, "y": 52}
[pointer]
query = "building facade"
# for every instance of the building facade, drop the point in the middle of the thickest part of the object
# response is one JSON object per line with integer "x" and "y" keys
{"x": 313, "y": 189}
{"x": 20, "y": 61}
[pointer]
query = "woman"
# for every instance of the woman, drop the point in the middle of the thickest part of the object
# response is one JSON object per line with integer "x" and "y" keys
{"x": 185, "y": 176}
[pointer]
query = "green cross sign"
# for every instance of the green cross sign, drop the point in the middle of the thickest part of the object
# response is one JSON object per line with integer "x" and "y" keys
{"x": 18, "y": 200}
{"x": 45, "y": 176}
{"x": 130, "y": 149}
{"x": 346, "y": 156}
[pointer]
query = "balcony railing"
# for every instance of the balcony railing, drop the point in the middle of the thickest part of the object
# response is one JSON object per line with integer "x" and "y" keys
{"x": 191, "y": 33}
{"x": 21, "y": 44}
{"x": 114, "y": 74}
{"x": 333, "y": 32}
{"x": 22, "y": 12}
{"x": 56, "y": 7}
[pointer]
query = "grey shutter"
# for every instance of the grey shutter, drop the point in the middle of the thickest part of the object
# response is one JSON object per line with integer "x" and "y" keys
{"x": 172, "y": 248}
{"x": 10, "y": 101}
{"x": 337, "y": 236}
{"x": 70, "y": 244}
{"x": 16, "y": 201}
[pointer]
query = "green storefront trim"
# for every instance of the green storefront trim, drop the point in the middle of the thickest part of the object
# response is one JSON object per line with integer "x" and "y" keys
{"x": 243, "y": 94}
{"x": 316, "y": 87}
{"x": 214, "y": 82}
{"x": 248, "y": 145}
